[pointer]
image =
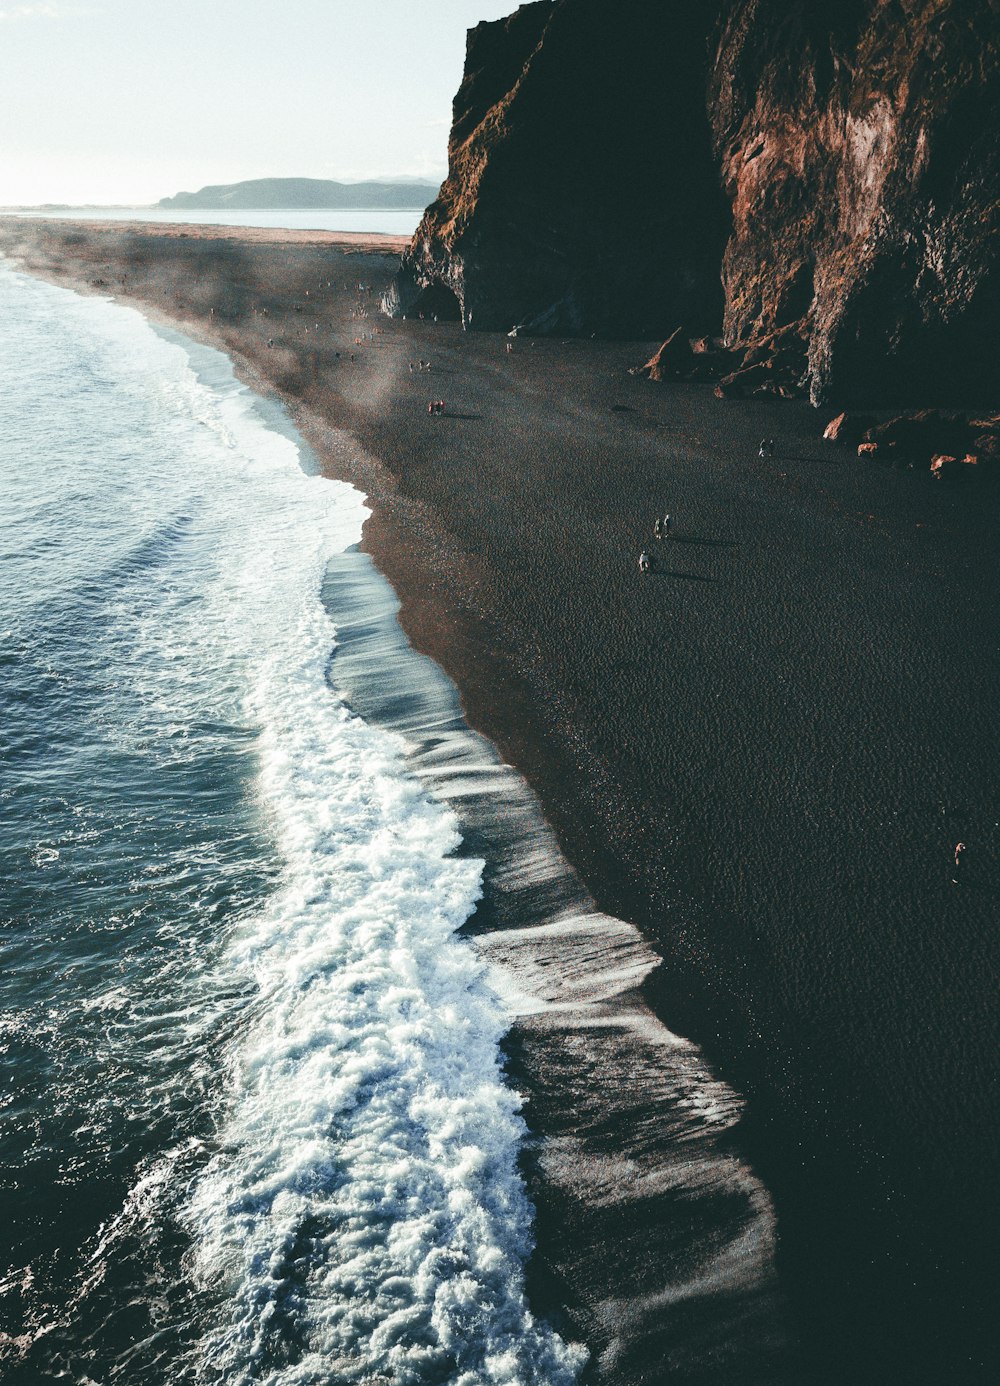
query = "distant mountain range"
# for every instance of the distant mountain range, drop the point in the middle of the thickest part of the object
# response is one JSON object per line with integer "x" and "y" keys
{"x": 287, "y": 193}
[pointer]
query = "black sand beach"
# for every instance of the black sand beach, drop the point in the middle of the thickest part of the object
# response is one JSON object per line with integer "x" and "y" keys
{"x": 762, "y": 753}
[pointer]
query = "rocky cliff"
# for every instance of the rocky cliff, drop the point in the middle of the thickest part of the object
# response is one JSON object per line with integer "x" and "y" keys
{"x": 859, "y": 147}
{"x": 820, "y": 180}
{"x": 581, "y": 194}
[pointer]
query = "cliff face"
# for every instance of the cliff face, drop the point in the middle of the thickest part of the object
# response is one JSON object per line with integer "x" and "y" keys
{"x": 575, "y": 128}
{"x": 857, "y": 147}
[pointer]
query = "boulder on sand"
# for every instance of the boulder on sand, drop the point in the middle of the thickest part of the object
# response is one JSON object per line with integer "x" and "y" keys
{"x": 918, "y": 437}
{"x": 728, "y": 389}
{"x": 986, "y": 443}
{"x": 947, "y": 468}
{"x": 848, "y": 428}
{"x": 673, "y": 359}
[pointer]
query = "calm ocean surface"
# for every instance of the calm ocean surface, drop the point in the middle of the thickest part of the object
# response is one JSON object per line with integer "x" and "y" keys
{"x": 254, "y": 1126}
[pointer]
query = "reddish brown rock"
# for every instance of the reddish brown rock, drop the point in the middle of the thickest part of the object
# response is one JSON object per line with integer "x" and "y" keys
{"x": 581, "y": 194}
{"x": 953, "y": 469}
{"x": 848, "y": 428}
{"x": 728, "y": 389}
{"x": 919, "y": 436}
{"x": 868, "y": 450}
{"x": 858, "y": 146}
{"x": 672, "y": 360}
{"x": 987, "y": 445}
{"x": 749, "y": 377}
{"x": 835, "y": 430}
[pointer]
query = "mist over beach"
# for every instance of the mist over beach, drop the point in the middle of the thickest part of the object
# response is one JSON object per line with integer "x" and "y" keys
{"x": 500, "y": 762}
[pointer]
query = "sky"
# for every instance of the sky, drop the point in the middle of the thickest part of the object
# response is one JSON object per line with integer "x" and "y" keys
{"x": 128, "y": 101}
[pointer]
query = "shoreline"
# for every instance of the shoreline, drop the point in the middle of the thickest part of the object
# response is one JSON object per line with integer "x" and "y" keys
{"x": 622, "y": 706}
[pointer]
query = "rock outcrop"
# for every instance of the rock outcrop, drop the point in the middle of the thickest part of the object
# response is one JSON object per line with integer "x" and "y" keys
{"x": 581, "y": 195}
{"x": 951, "y": 445}
{"x": 854, "y": 252}
{"x": 859, "y": 145}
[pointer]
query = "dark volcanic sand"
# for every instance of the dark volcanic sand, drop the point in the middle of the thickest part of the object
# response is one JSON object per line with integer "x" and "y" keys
{"x": 763, "y": 753}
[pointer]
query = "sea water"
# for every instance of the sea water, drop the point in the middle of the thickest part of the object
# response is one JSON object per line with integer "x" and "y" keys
{"x": 254, "y": 1124}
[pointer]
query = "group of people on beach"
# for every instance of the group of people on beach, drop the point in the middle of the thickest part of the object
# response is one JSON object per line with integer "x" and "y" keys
{"x": 766, "y": 448}
{"x": 661, "y": 531}
{"x": 435, "y": 406}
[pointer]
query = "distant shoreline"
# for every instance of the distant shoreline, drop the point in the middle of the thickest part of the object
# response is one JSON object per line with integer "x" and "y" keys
{"x": 66, "y": 210}
{"x": 761, "y": 755}
{"x": 276, "y": 235}
{"x": 396, "y": 223}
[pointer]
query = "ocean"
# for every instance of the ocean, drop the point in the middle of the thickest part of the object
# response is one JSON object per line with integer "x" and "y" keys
{"x": 255, "y": 1125}
{"x": 286, "y": 948}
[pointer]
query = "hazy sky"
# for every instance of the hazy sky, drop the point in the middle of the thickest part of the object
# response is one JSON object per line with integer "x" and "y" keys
{"x": 131, "y": 100}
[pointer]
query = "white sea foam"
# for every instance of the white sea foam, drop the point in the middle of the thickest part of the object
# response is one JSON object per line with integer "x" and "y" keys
{"x": 359, "y": 1215}
{"x": 365, "y": 1212}
{"x": 362, "y": 1216}
{"x": 365, "y": 1207}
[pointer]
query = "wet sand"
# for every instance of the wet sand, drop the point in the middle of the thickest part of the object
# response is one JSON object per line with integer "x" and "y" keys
{"x": 762, "y": 753}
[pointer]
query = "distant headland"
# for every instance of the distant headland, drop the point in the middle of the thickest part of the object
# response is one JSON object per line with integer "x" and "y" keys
{"x": 288, "y": 193}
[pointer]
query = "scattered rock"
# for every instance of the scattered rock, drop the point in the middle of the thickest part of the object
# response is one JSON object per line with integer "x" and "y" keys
{"x": 728, "y": 390}
{"x": 671, "y": 361}
{"x": 947, "y": 468}
{"x": 848, "y": 428}
{"x": 748, "y": 377}
{"x": 969, "y": 467}
{"x": 986, "y": 445}
{"x": 918, "y": 437}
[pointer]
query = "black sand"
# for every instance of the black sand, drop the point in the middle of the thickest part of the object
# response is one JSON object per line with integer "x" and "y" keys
{"x": 762, "y": 753}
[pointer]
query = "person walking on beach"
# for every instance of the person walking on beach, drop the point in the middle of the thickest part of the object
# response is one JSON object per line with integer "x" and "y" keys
{"x": 667, "y": 522}
{"x": 658, "y": 528}
{"x": 645, "y": 562}
{"x": 762, "y": 450}
{"x": 956, "y": 873}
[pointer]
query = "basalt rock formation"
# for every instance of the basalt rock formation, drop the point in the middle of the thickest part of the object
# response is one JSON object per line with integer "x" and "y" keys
{"x": 581, "y": 195}
{"x": 951, "y": 445}
{"x": 817, "y": 183}
{"x": 859, "y": 145}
